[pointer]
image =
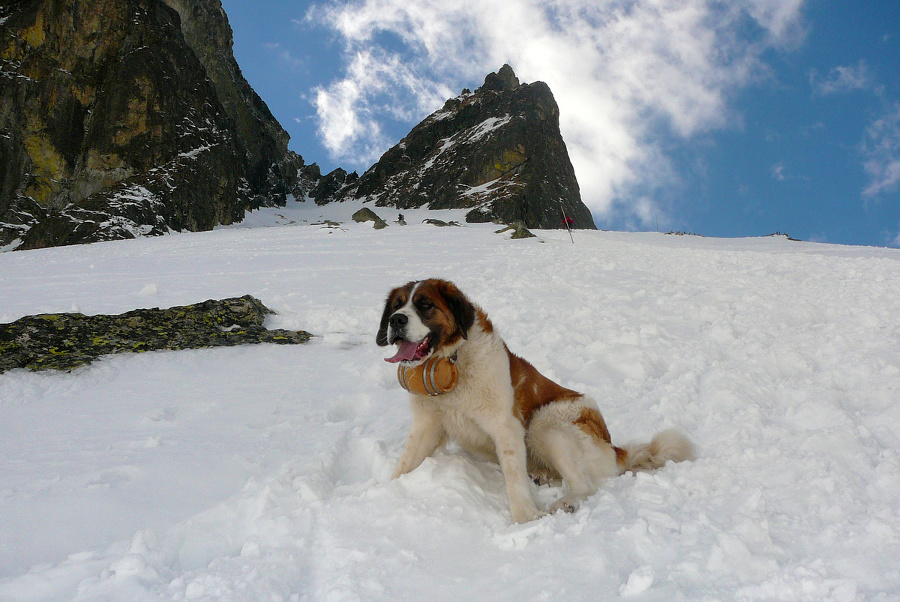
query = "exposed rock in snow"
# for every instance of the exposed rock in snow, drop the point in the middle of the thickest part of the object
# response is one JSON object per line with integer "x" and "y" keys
{"x": 63, "y": 341}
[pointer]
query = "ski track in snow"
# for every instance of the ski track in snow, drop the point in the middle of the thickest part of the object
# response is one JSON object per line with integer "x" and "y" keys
{"x": 262, "y": 472}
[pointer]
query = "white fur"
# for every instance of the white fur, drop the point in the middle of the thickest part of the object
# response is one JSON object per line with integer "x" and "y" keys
{"x": 479, "y": 415}
{"x": 583, "y": 462}
{"x": 667, "y": 446}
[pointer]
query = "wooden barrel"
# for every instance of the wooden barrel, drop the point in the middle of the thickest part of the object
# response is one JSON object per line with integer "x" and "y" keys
{"x": 434, "y": 376}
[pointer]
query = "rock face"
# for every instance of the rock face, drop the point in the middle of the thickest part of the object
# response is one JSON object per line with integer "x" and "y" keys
{"x": 497, "y": 151}
{"x": 272, "y": 168}
{"x": 66, "y": 341}
{"x": 120, "y": 118}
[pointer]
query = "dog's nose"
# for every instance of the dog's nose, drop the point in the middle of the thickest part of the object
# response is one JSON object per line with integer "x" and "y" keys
{"x": 399, "y": 320}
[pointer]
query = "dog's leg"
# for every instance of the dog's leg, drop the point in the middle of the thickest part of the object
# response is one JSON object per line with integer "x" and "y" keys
{"x": 425, "y": 435}
{"x": 583, "y": 463}
{"x": 582, "y": 456}
{"x": 509, "y": 440}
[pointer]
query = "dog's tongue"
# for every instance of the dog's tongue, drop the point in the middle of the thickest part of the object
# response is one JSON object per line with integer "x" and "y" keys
{"x": 406, "y": 352}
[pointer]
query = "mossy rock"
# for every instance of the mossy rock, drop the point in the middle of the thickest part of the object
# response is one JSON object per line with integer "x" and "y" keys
{"x": 367, "y": 215}
{"x": 69, "y": 340}
{"x": 519, "y": 231}
{"x": 440, "y": 223}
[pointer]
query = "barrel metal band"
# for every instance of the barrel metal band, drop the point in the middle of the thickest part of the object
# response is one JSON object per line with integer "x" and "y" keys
{"x": 429, "y": 381}
{"x": 403, "y": 382}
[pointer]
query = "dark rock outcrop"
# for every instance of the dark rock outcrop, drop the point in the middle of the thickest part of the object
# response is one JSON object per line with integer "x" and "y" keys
{"x": 440, "y": 223}
{"x": 120, "y": 117}
{"x": 331, "y": 187}
{"x": 518, "y": 231}
{"x": 66, "y": 341}
{"x": 367, "y": 215}
{"x": 497, "y": 151}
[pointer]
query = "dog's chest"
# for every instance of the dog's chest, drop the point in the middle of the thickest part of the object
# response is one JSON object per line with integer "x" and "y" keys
{"x": 469, "y": 406}
{"x": 467, "y": 434}
{"x": 482, "y": 395}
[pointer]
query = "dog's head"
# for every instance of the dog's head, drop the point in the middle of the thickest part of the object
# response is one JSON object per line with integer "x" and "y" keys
{"x": 424, "y": 317}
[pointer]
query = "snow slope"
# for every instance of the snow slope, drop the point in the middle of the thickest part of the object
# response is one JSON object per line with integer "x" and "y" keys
{"x": 262, "y": 472}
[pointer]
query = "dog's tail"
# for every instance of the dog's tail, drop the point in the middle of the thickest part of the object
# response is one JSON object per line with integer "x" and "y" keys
{"x": 667, "y": 445}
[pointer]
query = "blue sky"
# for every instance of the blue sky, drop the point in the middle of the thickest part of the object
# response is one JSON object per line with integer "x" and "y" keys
{"x": 718, "y": 118}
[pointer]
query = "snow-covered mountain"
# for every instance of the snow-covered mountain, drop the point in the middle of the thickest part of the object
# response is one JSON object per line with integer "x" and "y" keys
{"x": 262, "y": 472}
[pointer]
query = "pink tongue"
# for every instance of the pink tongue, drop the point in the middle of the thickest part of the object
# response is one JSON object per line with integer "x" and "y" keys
{"x": 406, "y": 352}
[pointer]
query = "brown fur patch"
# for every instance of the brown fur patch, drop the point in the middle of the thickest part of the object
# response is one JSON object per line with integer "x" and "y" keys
{"x": 440, "y": 321}
{"x": 484, "y": 322}
{"x": 532, "y": 390}
{"x": 444, "y": 319}
{"x": 592, "y": 423}
{"x": 621, "y": 457}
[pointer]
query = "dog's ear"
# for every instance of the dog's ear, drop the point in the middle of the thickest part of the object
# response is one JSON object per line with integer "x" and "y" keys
{"x": 460, "y": 307}
{"x": 381, "y": 337}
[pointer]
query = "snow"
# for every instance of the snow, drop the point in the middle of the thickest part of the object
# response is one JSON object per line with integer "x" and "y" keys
{"x": 192, "y": 154}
{"x": 467, "y": 136}
{"x": 262, "y": 472}
{"x": 485, "y": 190}
{"x": 444, "y": 144}
{"x": 487, "y": 126}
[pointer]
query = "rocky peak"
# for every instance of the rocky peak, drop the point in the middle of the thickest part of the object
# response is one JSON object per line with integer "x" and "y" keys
{"x": 503, "y": 80}
{"x": 497, "y": 151}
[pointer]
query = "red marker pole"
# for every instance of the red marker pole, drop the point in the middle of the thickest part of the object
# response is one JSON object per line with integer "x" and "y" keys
{"x": 567, "y": 221}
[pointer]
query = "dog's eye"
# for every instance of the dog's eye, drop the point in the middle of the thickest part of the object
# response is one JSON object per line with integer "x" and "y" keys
{"x": 398, "y": 303}
{"x": 424, "y": 304}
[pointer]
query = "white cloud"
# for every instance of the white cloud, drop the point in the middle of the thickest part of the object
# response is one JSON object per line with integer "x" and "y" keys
{"x": 377, "y": 87}
{"x": 286, "y": 57}
{"x": 778, "y": 171}
{"x": 629, "y": 75}
{"x": 779, "y": 18}
{"x": 843, "y": 79}
{"x": 881, "y": 147}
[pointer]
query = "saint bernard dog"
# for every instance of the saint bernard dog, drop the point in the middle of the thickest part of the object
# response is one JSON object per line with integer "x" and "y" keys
{"x": 500, "y": 407}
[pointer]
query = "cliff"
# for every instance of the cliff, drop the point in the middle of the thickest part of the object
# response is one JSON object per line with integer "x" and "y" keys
{"x": 112, "y": 125}
{"x": 272, "y": 168}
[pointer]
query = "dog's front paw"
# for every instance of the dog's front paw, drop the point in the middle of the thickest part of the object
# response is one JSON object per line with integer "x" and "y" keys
{"x": 524, "y": 514}
{"x": 567, "y": 503}
{"x": 564, "y": 505}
